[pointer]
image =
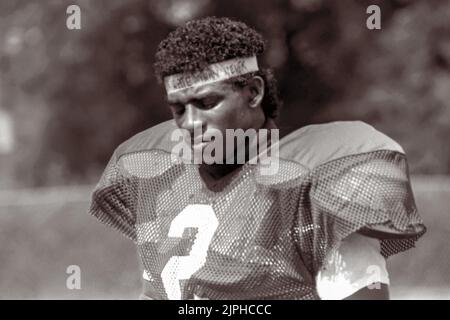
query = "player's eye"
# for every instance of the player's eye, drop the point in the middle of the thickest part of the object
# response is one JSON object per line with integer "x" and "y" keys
{"x": 209, "y": 102}
{"x": 177, "y": 108}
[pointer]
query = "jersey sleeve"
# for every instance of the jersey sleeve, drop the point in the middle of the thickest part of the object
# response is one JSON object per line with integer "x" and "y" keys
{"x": 113, "y": 199}
{"x": 369, "y": 193}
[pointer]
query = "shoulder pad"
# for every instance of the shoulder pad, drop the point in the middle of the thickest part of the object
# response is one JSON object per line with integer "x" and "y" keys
{"x": 316, "y": 144}
{"x": 154, "y": 138}
{"x": 148, "y": 153}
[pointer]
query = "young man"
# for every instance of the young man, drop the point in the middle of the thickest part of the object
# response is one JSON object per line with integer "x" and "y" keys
{"x": 318, "y": 222}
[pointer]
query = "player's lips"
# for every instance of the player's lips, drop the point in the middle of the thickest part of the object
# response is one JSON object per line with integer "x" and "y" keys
{"x": 198, "y": 144}
{"x": 201, "y": 141}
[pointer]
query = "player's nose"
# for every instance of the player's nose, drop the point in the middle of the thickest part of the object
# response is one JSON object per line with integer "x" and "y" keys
{"x": 192, "y": 121}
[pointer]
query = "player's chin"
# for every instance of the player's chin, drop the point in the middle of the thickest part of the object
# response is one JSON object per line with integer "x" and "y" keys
{"x": 198, "y": 152}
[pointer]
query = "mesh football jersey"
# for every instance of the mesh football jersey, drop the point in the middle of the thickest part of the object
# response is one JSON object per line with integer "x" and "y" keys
{"x": 257, "y": 236}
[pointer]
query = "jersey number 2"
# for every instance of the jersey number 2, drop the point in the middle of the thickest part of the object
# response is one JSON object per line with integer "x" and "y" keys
{"x": 198, "y": 216}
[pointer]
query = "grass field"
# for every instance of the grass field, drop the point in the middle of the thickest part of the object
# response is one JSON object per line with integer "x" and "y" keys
{"x": 42, "y": 232}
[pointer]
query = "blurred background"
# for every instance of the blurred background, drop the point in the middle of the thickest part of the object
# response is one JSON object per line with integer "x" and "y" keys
{"x": 69, "y": 97}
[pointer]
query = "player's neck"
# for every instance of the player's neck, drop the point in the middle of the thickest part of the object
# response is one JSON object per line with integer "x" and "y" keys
{"x": 214, "y": 173}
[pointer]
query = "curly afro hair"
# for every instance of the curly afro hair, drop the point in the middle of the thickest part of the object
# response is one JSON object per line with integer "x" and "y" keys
{"x": 202, "y": 42}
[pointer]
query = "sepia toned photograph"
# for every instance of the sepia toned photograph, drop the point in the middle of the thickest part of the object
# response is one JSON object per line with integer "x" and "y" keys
{"x": 224, "y": 150}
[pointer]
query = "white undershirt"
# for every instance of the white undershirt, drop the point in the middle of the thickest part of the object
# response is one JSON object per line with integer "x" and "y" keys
{"x": 356, "y": 264}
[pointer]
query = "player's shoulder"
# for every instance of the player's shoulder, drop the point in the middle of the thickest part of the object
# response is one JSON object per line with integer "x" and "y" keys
{"x": 148, "y": 153}
{"x": 316, "y": 144}
{"x": 157, "y": 137}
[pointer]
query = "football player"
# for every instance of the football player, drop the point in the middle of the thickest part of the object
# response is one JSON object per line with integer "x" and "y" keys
{"x": 320, "y": 225}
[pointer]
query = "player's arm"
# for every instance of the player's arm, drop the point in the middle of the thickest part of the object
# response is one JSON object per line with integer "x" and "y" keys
{"x": 380, "y": 292}
{"x": 356, "y": 270}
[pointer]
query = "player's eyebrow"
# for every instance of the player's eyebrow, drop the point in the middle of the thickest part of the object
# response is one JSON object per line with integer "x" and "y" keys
{"x": 201, "y": 96}
{"x": 208, "y": 95}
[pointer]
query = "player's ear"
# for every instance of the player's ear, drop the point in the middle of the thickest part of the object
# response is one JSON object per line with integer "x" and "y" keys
{"x": 256, "y": 89}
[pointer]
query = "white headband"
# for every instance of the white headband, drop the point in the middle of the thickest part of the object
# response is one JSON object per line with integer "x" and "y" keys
{"x": 213, "y": 73}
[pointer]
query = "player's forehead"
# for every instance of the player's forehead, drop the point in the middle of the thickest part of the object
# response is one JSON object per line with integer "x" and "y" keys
{"x": 219, "y": 88}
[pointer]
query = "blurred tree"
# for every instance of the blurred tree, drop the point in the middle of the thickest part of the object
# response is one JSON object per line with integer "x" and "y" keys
{"x": 400, "y": 82}
{"x": 75, "y": 95}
